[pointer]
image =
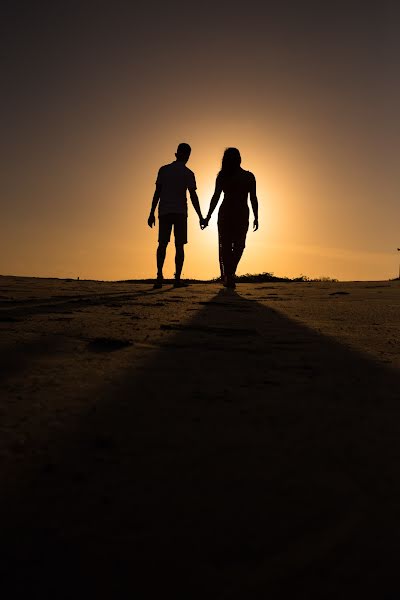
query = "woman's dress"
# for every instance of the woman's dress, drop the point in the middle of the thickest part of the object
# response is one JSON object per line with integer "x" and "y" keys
{"x": 233, "y": 218}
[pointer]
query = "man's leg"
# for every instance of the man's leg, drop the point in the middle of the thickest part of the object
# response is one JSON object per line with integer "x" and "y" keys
{"x": 179, "y": 258}
{"x": 180, "y": 232}
{"x": 161, "y": 253}
{"x": 164, "y": 233}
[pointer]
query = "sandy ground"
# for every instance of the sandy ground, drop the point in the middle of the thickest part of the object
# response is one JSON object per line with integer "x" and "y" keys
{"x": 200, "y": 442}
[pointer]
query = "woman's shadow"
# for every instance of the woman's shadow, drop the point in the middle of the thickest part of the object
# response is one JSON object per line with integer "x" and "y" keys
{"x": 249, "y": 455}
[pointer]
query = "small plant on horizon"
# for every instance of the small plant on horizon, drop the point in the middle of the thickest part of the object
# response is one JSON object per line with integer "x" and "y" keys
{"x": 327, "y": 279}
{"x": 270, "y": 277}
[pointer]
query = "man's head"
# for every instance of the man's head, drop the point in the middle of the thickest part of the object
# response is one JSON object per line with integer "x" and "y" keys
{"x": 183, "y": 152}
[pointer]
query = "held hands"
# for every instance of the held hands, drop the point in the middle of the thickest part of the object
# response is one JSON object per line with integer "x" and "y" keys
{"x": 204, "y": 222}
{"x": 255, "y": 225}
{"x": 151, "y": 220}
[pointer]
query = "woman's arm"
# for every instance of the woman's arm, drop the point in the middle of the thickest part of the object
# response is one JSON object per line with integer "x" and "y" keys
{"x": 214, "y": 200}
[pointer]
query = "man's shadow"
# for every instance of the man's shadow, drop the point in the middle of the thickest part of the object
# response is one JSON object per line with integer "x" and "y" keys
{"x": 249, "y": 455}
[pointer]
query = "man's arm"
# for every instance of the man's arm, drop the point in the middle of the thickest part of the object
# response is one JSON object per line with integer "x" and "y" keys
{"x": 156, "y": 198}
{"x": 196, "y": 204}
{"x": 254, "y": 202}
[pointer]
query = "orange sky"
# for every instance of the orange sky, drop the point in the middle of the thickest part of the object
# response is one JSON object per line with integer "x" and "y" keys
{"x": 312, "y": 104}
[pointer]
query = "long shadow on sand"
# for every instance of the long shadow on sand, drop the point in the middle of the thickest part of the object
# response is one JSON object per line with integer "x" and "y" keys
{"x": 15, "y": 359}
{"x": 14, "y": 310}
{"x": 251, "y": 457}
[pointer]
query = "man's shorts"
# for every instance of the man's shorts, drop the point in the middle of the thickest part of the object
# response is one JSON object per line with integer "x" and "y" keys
{"x": 176, "y": 220}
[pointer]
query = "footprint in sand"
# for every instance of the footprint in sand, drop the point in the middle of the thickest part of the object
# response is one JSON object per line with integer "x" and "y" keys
{"x": 108, "y": 344}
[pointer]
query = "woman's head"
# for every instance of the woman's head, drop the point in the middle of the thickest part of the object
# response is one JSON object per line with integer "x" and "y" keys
{"x": 231, "y": 161}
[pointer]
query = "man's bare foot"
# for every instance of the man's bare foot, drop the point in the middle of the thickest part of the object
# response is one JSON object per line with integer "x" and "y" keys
{"x": 158, "y": 283}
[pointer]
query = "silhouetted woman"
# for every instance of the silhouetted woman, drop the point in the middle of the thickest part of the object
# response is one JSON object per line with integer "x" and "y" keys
{"x": 233, "y": 215}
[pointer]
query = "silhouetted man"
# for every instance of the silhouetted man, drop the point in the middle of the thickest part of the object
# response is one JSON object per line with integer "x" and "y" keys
{"x": 172, "y": 182}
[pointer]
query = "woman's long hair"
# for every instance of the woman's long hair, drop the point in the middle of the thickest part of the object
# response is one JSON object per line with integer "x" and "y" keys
{"x": 230, "y": 162}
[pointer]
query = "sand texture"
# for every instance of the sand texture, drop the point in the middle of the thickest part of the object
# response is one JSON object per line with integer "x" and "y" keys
{"x": 199, "y": 442}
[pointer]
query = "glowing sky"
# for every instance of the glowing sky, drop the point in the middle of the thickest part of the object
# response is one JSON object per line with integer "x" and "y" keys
{"x": 97, "y": 95}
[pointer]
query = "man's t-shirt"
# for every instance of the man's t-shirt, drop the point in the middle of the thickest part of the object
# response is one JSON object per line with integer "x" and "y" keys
{"x": 174, "y": 179}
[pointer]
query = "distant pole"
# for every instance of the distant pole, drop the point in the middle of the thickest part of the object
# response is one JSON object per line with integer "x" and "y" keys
{"x": 398, "y": 250}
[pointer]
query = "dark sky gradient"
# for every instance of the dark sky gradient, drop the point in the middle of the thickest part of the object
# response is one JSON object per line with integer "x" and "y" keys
{"x": 97, "y": 94}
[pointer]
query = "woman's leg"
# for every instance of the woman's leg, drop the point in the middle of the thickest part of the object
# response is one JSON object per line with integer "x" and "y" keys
{"x": 239, "y": 243}
{"x": 221, "y": 261}
{"x": 224, "y": 247}
{"x": 225, "y": 255}
{"x": 237, "y": 251}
